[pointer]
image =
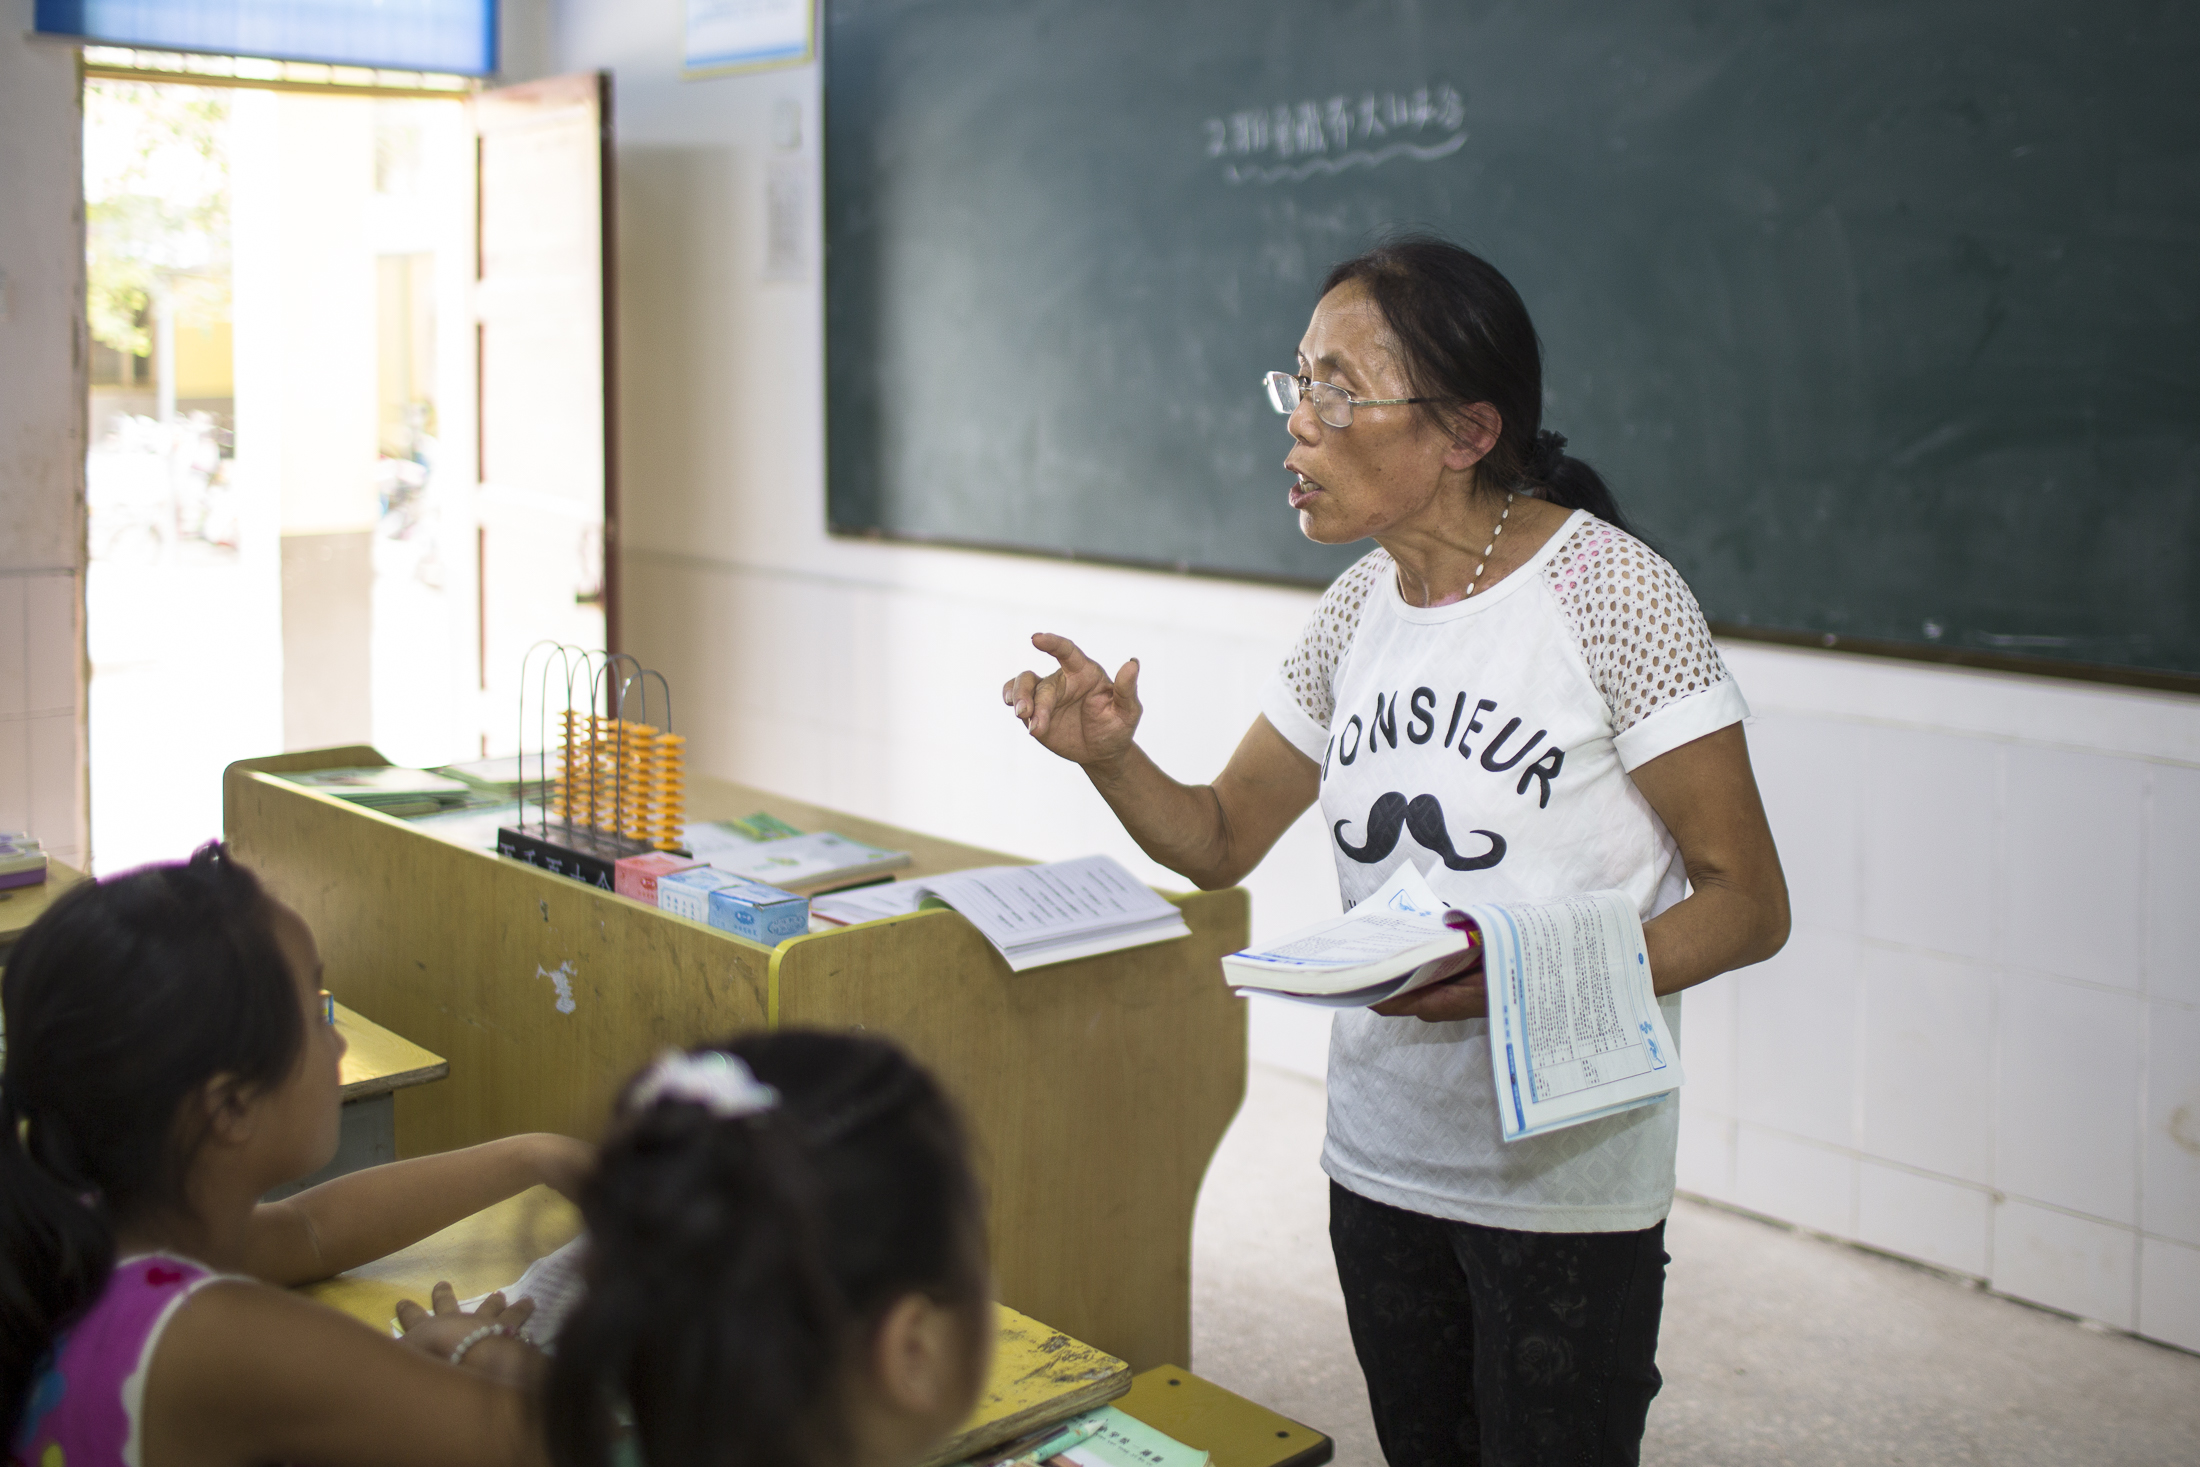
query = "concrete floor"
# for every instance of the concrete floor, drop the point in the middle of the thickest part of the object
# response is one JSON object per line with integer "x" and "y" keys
{"x": 1777, "y": 1347}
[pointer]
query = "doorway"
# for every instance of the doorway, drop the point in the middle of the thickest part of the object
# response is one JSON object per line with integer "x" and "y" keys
{"x": 293, "y": 540}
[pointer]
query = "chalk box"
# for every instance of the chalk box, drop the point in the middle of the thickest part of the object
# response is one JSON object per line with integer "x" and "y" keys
{"x": 637, "y": 876}
{"x": 758, "y": 912}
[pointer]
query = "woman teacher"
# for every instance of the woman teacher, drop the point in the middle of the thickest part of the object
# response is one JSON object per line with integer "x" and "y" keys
{"x": 1522, "y": 699}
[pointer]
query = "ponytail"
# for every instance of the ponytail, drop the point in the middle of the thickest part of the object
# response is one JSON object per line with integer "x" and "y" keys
{"x": 738, "y": 1260}
{"x": 55, "y": 1255}
{"x": 121, "y": 1001}
{"x": 1464, "y": 335}
{"x": 1569, "y": 483}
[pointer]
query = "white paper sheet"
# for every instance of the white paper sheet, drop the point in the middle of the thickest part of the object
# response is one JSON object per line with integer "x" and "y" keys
{"x": 1026, "y": 903}
{"x": 868, "y": 903}
{"x": 554, "y": 1281}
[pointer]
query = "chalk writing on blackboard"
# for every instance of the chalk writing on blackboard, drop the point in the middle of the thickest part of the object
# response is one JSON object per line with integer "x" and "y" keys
{"x": 1340, "y": 133}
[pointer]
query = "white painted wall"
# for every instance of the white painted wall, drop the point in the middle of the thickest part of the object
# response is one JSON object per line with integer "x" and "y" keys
{"x": 1942, "y": 1064}
{"x": 42, "y": 425}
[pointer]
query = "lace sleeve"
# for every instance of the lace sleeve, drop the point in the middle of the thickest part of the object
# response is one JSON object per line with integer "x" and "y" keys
{"x": 1638, "y": 624}
{"x": 1310, "y": 671}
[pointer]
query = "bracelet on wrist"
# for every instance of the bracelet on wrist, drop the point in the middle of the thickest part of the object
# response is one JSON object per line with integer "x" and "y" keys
{"x": 458, "y": 1351}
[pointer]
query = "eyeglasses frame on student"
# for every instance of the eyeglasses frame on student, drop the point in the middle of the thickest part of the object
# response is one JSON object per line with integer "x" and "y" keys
{"x": 1302, "y": 386}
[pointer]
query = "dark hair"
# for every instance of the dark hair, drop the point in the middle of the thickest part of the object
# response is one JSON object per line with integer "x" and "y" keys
{"x": 122, "y": 1000}
{"x": 1465, "y": 337}
{"x": 736, "y": 1264}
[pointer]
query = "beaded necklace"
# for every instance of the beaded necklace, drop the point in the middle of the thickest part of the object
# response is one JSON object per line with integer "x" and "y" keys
{"x": 1494, "y": 533}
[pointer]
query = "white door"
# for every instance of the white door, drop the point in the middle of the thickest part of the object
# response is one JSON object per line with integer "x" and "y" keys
{"x": 547, "y": 542}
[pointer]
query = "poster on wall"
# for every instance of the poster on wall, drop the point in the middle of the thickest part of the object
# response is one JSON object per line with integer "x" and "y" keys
{"x": 742, "y": 35}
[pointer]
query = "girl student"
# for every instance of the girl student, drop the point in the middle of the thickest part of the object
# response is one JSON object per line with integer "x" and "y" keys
{"x": 1518, "y": 696}
{"x": 168, "y": 1061}
{"x": 785, "y": 1267}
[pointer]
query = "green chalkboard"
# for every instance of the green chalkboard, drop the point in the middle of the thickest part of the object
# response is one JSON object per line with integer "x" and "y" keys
{"x": 1882, "y": 319}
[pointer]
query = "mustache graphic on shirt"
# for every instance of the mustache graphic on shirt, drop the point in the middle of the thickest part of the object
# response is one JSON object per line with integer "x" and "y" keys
{"x": 1423, "y": 816}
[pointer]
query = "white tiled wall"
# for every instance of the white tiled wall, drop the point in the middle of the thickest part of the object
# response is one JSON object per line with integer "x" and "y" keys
{"x": 1981, "y": 1048}
{"x": 40, "y": 723}
{"x": 42, "y": 407}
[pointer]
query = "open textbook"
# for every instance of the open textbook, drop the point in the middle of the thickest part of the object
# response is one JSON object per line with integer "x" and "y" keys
{"x": 1034, "y": 914}
{"x": 1394, "y": 942}
{"x": 1575, "y": 1030}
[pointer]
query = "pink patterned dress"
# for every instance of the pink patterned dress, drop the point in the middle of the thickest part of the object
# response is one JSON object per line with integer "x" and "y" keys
{"x": 85, "y": 1408}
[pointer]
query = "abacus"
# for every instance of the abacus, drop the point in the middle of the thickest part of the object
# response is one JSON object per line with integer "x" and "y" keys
{"x": 611, "y": 782}
{"x": 620, "y": 777}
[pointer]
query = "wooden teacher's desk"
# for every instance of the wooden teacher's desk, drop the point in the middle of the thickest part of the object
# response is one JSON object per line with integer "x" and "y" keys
{"x": 1096, "y": 1090}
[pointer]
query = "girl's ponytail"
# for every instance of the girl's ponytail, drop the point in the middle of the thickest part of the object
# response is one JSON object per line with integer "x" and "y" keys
{"x": 710, "y": 1315}
{"x": 121, "y": 1001}
{"x": 55, "y": 1255}
{"x": 738, "y": 1255}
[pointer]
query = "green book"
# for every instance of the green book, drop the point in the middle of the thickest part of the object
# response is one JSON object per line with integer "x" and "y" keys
{"x": 1125, "y": 1441}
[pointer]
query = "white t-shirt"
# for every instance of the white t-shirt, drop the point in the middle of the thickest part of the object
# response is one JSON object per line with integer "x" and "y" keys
{"x": 1489, "y": 742}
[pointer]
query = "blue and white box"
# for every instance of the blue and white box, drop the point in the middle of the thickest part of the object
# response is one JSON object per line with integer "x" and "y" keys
{"x": 687, "y": 893}
{"x": 758, "y": 912}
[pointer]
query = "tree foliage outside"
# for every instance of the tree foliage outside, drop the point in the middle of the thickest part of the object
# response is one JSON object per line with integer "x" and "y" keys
{"x": 156, "y": 207}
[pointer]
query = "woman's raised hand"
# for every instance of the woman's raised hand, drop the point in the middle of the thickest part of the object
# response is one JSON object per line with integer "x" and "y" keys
{"x": 1077, "y": 711}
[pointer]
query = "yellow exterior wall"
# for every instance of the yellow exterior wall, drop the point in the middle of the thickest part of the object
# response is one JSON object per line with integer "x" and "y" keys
{"x": 205, "y": 362}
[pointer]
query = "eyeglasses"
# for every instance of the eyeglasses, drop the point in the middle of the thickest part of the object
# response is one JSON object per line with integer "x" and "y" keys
{"x": 1332, "y": 404}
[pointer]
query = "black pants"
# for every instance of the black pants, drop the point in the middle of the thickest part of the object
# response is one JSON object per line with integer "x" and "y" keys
{"x": 1487, "y": 1346}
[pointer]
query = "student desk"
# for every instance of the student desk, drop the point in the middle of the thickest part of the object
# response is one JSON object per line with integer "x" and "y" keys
{"x": 1039, "y": 1375}
{"x": 376, "y": 1065}
{"x": 20, "y": 906}
{"x": 1096, "y": 1090}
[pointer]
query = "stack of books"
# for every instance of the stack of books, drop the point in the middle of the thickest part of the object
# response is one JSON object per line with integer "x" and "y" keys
{"x": 22, "y": 860}
{"x": 393, "y": 791}
{"x": 764, "y": 848}
{"x": 503, "y": 780}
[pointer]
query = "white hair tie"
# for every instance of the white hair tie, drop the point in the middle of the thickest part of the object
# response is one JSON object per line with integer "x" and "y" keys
{"x": 712, "y": 1079}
